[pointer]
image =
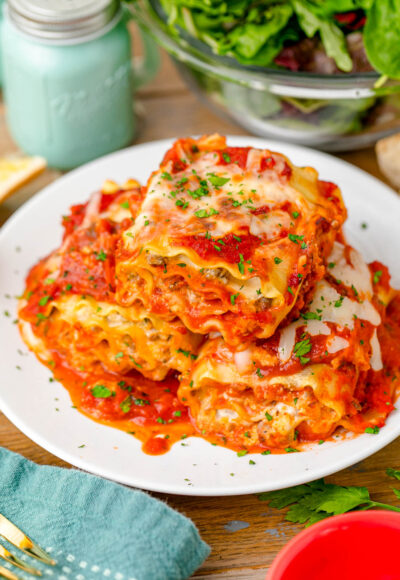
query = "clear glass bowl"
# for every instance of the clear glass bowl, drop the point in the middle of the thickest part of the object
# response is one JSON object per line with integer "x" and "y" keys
{"x": 330, "y": 112}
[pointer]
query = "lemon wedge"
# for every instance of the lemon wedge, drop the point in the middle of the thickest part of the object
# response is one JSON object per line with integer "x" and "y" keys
{"x": 17, "y": 171}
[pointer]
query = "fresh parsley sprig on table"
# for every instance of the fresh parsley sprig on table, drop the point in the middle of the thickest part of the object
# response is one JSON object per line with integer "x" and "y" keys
{"x": 311, "y": 502}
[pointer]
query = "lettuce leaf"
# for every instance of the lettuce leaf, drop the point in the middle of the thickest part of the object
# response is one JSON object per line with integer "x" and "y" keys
{"x": 382, "y": 37}
{"x": 254, "y": 31}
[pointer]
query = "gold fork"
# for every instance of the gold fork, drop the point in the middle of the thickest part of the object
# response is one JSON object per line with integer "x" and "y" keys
{"x": 15, "y": 536}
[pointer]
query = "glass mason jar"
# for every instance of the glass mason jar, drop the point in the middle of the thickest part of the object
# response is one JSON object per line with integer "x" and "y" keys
{"x": 69, "y": 79}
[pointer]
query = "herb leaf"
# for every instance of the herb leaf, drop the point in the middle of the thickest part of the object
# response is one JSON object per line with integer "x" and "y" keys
{"x": 393, "y": 473}
{"x": 101, "y": 392}
{"x": 317, "y": 500}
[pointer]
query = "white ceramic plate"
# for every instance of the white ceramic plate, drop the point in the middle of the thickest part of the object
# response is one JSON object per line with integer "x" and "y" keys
{"x": 42, "y": 409}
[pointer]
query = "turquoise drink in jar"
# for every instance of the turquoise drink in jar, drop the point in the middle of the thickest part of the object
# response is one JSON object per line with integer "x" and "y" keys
{"x": 69, "y": 78}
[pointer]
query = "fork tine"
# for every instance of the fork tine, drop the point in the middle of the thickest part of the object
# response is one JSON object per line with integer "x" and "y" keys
{"x": 12, "y": 534}
{"x": 12, "y": 559}
{"x": 4, "y": 573}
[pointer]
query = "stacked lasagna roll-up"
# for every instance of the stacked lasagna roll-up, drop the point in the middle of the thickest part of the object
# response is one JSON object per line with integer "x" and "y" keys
{"x": 230, "y": 271}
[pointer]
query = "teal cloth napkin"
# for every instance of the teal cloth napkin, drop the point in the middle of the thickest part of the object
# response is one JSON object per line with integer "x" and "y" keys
{"x": 96, "y": 529}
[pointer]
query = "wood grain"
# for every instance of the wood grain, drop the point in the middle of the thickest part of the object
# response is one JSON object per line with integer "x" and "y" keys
{"x": 166, "y": 109}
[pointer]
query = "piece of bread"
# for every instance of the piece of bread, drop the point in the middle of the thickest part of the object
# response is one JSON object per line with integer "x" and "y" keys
{"x": 388, "y": 154}
{"x": 16, "y": 171}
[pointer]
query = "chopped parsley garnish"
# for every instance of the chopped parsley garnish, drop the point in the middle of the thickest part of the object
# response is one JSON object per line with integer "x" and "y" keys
{"x": 217, "y": 181}
{"x": 119, "y": 355}
{"x": 277, "y": 260}
{"x": 241, "y": 264}
{"x": 101, "y": 392}
{"x": 44, "y": 300}
{"x": 331, "y": 265}
{"x": 377, "y": 276}
{"x": 242, "y": 452}
{"x": 291, "y": 450}
{"x": 226, "y": 157}
{"x": 187, "y": 353}
{"x": 372, "y": 430}
{"x": 166, "y": 175}
{"x": 295, "y": 214}
{"x": 126, "y": 405}
{"x": 233, "y": 298}
{"x": 181, "y": 264}
{"x": 124, "y": 204}
{"x": 177, "y": 413}
{"x": 39, "y": 317}
{"x": 339, "y": 302}
{"x": 295, "y": 238}
{"x": 141, "y": 402}
{"x": 182, "y": 204}
{"x": 101, "y": 256}
{"x": 310, "y": 316}
{"x": 200, "y": 191}
{"x": 302, "y": 348}
{"x": 290, "y": 290}
{"x": 269, "y": 417}
{"x": 259, "y": 373}
{"x": 134, "y": 362}
{"x": 202, "y": 213}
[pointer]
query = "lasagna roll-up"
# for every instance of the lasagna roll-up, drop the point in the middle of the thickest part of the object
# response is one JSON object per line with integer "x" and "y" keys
{"x": 308, "y": 378}
{"x": 228, "y": 239}
{"x": 69, "y": 310}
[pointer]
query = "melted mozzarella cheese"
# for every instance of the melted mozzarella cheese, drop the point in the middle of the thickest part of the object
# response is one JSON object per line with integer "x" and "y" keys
{"x": 340, "y": 310}
{"x": 376, "y": 355}
{"x": 287, "y": 341}
{"x": 227, "y": 414}
{"x": 271, "y": 225}
{"x": 254, "y": 159}
{"x": 317, "y": 327}
{"x": 336, "y": 344}
{"x": 288, "y": 336}
{"x": 331, "y": 307}
{"x": 355, "y": 274}
{"x": 282, "y": 408}
{"x": 242, "y": 360}
{"x": 92, "y": 209}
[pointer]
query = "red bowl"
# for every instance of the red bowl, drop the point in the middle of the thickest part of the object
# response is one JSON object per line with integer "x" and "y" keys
{"x": 353, "y": 546}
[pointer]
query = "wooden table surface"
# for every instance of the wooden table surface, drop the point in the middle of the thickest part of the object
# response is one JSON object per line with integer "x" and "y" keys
{"x": 166, "y": 109}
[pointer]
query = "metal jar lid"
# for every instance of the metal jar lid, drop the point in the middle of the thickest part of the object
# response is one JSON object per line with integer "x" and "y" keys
{"x": 62, "y": 20}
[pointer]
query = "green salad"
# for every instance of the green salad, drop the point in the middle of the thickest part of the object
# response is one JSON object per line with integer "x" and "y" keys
{"x": 322, "y": 36}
